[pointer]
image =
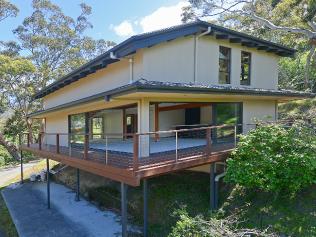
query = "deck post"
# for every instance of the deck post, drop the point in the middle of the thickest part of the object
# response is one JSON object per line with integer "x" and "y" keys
{"x": 135, "y": 151}
{"x": 157, "y": 122}
{"x": 48, "y": 183}
{"x": 124, "y": 209}
{"x": 86, "y": 146}
{"x": 40, "y": 141}
{"x": 124, "y": 124}
{"x": 212, "y": 186}
{"x": 145, "y": 193}
{"x": 57, "y": 143}
{"x": 78, "y": 186}
{"x": 21, "y": 158}
{"x": 208, "y": 142}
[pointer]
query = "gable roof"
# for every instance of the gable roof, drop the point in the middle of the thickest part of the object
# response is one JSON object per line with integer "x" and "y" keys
{"x": 132, "y": 44}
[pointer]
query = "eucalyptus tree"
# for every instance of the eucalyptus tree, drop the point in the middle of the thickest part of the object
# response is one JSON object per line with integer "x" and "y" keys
{"x": 56, "y": 43}
{"x": 294, "y": 22}
{"x": 52, "y": 44}
{"x": 16, "y": 90}
{"x": 7, "y": 9}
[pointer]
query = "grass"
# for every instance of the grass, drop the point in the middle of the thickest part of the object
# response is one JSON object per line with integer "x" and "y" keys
{"x": 166, "y": 195}
{"x": 190, "y": 190}
{"x": 31, "y": 170}
{"x": 290, "y": 216}
{"x": 6, "y": 223}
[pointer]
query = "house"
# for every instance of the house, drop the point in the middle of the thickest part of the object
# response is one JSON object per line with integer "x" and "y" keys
{"x": 160, "y": 102}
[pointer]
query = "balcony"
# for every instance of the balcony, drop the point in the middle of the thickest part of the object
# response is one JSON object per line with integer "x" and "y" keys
{"x": 131, "y": 157}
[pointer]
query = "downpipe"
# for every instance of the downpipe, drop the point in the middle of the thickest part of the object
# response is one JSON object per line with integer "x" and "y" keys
{"x": 216, "y": 183}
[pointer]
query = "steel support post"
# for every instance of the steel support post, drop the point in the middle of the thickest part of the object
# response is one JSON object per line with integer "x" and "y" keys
{"x": 145, "y": 193}
{"x": 124, "y": 209}
{"x": 21, "y": 161}
{"x": 78, "y": 186}
{"x": 212, "y": 186}
{"x": 48, "y": 183}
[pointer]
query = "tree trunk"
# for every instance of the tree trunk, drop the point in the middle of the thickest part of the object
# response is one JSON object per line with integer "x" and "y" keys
{"x": 10, "y": 147}
{"x": 307, "y": 67}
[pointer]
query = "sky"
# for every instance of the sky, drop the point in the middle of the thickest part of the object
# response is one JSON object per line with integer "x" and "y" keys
{"x": 113, "y": 20}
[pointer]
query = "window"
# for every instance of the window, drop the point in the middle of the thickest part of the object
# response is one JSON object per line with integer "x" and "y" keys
{"x": 77, "y": 127}
{"x": 245, "y": 68}
{"x": 224, "y": 65}
{"x": 97, "y": 127}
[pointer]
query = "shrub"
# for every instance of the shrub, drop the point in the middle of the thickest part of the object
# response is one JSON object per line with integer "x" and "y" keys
{"x": 200, "y": 226}
{"x": 275, "y": 159}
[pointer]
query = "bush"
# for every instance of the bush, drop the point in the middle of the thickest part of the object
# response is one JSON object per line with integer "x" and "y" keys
{"x": 5, "y": 157}
{"x": 212, "y": 227}
{"x": 275, "y": 159}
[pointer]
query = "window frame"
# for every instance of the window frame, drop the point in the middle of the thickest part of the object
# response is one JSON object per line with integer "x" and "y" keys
{"x": 228, "y": 72}
{"x": 242, "y": 75}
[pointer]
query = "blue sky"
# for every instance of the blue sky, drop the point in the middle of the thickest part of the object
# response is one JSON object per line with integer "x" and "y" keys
{"x": 112, "y": 20}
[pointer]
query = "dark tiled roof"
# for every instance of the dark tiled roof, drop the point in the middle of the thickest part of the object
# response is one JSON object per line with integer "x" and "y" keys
{"x": 136, "y": 42}
{"x": 144, "y": 85}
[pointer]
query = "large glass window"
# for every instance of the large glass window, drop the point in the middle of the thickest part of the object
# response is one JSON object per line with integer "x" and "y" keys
{"x": 224, "y": 65}
{"x": 245, "y": 68}
{"x": 227, "y": 114}
{"x": 97, "y": 127}
{"x": 77, "y": 127}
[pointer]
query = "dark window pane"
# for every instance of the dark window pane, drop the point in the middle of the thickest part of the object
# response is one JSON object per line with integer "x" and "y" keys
{"x": 245, "y": 68}
{"x": 77, "y": 127}
{"x": 224, "y": 65}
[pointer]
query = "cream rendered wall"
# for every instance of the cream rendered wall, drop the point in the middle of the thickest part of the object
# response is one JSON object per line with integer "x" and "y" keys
{"x": 170, "y": 61}
{"x": 167, "y": 119}
{"x": 174, "y": 62}
{"x": 258, "y": 110}
{"x": 264, "y": 66}
{"x": 206, "y": 115}
{"x": 113, "y": 121}
{"x": 113, "y": 76}
{"x": 56, "y": 124}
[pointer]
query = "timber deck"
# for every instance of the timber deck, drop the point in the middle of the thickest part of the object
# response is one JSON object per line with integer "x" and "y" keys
{"x": 120, "y": 166}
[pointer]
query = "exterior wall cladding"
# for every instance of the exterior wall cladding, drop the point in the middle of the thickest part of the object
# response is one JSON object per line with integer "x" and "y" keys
{"x": 173, "y": 62}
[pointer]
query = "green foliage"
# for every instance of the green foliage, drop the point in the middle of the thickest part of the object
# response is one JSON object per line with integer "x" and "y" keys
{"x": 299, "y": 109}
{"x": 7, "y": 9}
{"x": 5, "y": 157}
{"x": 188, "y": 226}
{"x": 276, "y": 159}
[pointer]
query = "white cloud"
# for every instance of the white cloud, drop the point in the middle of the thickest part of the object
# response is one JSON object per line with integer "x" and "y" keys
{"x": 124, "y": 29}
{"x": 163, "y": 17}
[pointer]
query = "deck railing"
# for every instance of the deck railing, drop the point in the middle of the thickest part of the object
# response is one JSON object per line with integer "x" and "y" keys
{"x": 138, "y": 150}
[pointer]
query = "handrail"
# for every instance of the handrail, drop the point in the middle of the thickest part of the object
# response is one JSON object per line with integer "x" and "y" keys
{"x": 146, "y": 133}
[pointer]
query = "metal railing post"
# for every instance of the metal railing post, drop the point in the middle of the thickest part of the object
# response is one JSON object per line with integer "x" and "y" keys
{"x": 176, "y": 146}
{"x": 57, "y": 143}
{"x": 106, "y": 150}
{"x": 208, "y": 142}
{"x": 86, "y": 145}
{"x": 136, "y": 151}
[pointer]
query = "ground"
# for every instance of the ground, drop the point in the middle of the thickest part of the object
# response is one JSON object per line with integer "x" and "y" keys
{"x": 190, "y": 190}
{"x": 66, "y": 217}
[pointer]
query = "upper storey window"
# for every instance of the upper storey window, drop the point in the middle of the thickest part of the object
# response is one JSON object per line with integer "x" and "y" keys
{"x": 245, "y": 68}
{"x": 224, "y": 65}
